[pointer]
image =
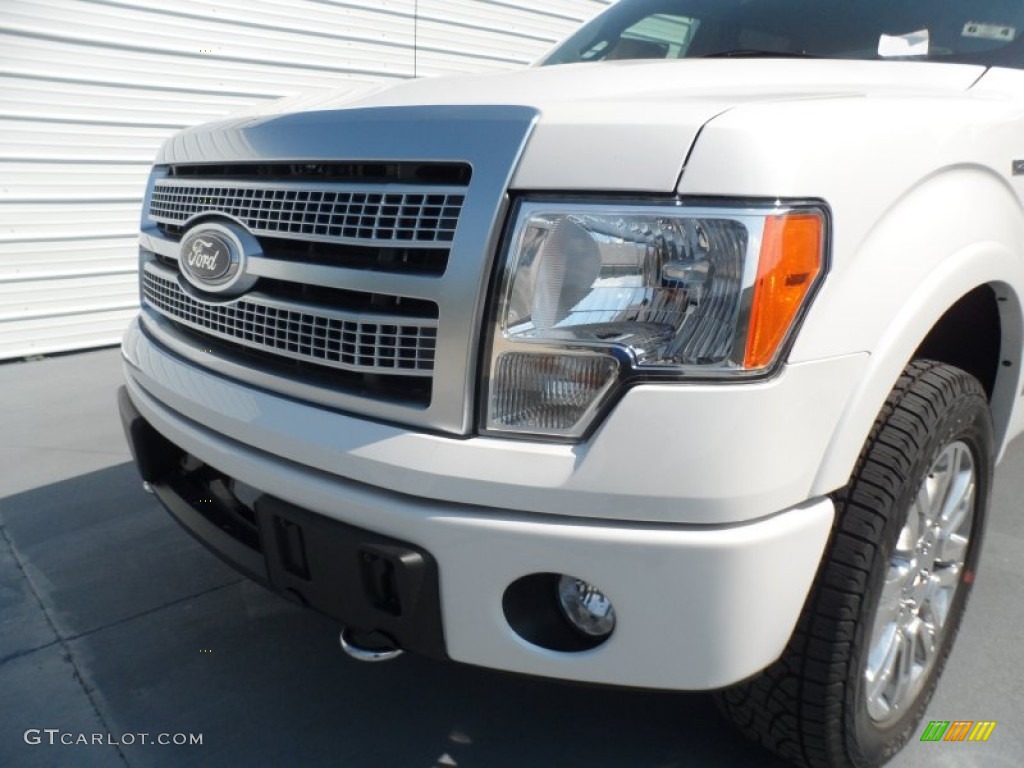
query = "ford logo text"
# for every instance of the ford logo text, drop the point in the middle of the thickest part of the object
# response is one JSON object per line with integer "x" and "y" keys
{"x": 213, "y": 257}
{"x": 207, "y": 256}
{"x": 207, "y": 259}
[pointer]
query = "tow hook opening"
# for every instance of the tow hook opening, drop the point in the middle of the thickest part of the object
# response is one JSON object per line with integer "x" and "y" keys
{"x": 368, "y": 647}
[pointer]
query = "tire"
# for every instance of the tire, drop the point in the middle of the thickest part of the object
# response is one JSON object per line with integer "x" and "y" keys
{"x": 883, "y": 581}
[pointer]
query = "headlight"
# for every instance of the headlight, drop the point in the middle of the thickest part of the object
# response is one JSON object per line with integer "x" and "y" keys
{"x": 592, "y": 295}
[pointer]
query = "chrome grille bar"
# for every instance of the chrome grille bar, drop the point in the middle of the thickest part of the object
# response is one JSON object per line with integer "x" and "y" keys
{"x": 353, "y": 341}
{"x": 385, "y": 214}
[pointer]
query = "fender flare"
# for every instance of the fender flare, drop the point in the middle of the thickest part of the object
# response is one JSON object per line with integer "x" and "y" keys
{"x": 985, "y": 251}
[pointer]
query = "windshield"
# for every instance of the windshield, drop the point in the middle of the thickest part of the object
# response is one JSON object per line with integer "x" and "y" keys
{"x": 986, "y": 32}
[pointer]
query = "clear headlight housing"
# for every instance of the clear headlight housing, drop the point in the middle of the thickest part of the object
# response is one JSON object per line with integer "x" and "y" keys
{"x": 593, "y": 295}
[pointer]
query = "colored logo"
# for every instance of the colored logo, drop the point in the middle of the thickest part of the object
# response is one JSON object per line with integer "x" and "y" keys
{"x": 958, "y": 730}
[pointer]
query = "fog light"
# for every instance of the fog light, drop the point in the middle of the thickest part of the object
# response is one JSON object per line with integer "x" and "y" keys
{"x": 586, "y": 607}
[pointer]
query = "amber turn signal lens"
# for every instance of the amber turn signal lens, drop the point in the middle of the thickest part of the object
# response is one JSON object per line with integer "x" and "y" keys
{"x": 790, "y": 260}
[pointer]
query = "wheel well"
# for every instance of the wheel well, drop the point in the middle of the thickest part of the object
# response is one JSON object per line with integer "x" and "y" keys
{"x": 969, "y": 336}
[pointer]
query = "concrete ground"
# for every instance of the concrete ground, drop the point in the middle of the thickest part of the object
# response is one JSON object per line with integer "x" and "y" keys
{"x": 113, "y": 620}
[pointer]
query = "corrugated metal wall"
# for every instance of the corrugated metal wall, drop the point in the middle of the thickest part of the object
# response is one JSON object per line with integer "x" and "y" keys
{"x": 90, "y": 88}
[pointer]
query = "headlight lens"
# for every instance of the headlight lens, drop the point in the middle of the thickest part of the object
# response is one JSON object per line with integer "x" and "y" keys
{"x": 591, "y": 293}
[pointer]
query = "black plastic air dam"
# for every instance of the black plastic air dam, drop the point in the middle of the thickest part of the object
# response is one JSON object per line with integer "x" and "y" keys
{"x": 376, "y": 585}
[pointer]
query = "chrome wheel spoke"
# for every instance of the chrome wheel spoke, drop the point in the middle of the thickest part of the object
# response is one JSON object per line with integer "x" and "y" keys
{"x": 939, "y": 597}
{"x": 903, "y": 671}
{"x": 944, "y": 580}
{"x": 926, "y": 643}
{"x": 951, "y": 551}
{"x": 887, "y": 617}
{"x": 883, "y": 676}
{"x": 899, "y": 576}
{"x": 957, "y": 503}
{"x": 941, "y": 480}
{"x": 955, "y": 519}
{"x": 917, "y": 519}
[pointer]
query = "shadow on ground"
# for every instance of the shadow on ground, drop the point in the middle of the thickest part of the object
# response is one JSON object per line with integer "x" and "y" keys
{"x": 114, "y": 620}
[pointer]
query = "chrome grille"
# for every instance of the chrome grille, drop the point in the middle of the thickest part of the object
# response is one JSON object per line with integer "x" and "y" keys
{"x": 332, "y": 182}
{"x": 343, "y": 212}
{"x": 353, "y": 341}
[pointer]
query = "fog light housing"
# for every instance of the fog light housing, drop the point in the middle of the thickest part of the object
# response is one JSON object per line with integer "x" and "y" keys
{"x": 586, "y": 607}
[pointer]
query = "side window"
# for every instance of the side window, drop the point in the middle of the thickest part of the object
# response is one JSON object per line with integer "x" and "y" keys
{"x": 661, "y": 36}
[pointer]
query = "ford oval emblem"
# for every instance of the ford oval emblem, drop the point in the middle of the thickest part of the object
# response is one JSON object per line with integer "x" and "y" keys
{"x": 214, "y": 257}
{"x": 207, "y": 257}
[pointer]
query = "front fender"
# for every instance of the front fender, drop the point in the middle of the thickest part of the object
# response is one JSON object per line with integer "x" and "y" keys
{"x": 956, "y": 230}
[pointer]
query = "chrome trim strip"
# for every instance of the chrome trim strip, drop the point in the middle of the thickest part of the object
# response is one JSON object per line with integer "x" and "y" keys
{"x": 368, "y": 281}
{"x": 151, "y": 239}
{"x": 413, "y": 286}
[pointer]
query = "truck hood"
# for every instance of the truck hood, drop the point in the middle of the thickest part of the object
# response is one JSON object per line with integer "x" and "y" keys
{"x": 615, "y": 126}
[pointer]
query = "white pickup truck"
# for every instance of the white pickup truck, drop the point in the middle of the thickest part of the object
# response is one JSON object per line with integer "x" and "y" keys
{"x": 680, "y": 360}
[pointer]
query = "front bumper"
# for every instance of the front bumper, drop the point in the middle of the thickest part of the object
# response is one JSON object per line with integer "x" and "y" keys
{"x": 698, "y": 607}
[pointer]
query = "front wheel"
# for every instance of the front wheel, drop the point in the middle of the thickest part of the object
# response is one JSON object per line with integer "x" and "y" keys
{"x": 879, "y": 623}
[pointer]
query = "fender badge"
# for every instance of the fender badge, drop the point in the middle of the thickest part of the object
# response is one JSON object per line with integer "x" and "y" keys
{"x": 1018, "y": 167}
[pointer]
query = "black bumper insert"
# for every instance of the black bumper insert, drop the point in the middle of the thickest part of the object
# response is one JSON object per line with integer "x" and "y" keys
{"x": 374, "y": 584}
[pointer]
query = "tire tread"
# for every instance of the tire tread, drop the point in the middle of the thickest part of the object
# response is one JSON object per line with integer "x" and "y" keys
{"x": 796, "y": 707}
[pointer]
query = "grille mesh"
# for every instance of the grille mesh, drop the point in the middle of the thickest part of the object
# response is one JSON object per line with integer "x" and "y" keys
{"x": 353, "y": 343}
{"x": 337, "y": 213}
